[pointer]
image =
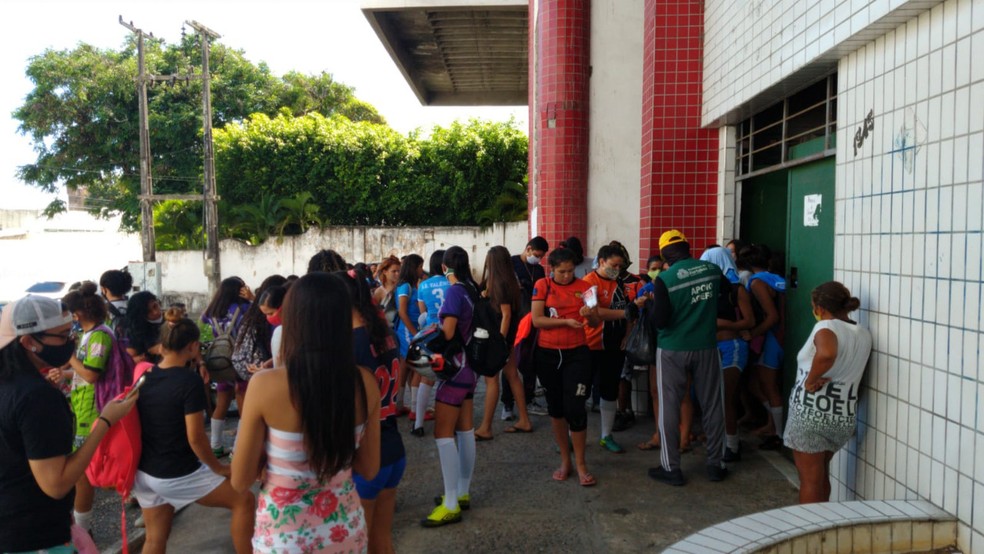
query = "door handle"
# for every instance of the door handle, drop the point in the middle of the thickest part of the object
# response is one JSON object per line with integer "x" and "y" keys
{"x": 793, "y": 277}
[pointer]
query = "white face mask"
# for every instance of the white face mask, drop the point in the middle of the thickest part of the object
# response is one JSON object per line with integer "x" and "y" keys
{"x": 532, "y": 260}
{"x": 157, "y": 321}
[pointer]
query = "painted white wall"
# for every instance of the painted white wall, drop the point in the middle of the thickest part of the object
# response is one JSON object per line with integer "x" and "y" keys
{"x": 615, "y": 125}
{"x": 758, "y": 51}
{"x": 909, "y": 222}
{"x": 182, "y": 270}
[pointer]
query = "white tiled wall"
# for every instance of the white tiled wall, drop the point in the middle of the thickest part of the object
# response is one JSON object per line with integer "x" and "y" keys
{"x": 752, "y": 46}
{"x": 908, "y": 243}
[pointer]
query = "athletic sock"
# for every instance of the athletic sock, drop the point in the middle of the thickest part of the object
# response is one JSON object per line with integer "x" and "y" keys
{"x": 732, "y": 442}
{"x": 423, "y": 394}
{"x": 84, "y": 520}
{"x": 777, "y": 418}
{"x": 607, "y": 409}
{"x": 413, "y": 396}
{"x": 218, "y": 425}
{"x": 466, "y": 459}
{"x": 448, "y": 454}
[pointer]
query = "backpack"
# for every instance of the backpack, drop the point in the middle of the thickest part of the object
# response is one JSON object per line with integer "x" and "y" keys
{"x": 248, "y": 353}
{"x": 118, "y": 374}
{"x": 218, "y": 356}
{"x": 114, "y": 464}
{"x": 117, "y": 321}
{"x": 487, "y": 350}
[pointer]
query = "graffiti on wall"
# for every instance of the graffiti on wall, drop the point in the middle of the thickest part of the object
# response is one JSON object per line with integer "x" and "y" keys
{"x": 909, "y": 140}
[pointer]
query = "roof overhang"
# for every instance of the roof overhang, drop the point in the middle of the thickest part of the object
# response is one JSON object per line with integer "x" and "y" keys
{"x": 458, "y": 52}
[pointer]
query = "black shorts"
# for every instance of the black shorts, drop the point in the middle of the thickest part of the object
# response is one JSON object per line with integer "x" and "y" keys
{"x": 566, "y": 377}
{"x": 607, "y": 365}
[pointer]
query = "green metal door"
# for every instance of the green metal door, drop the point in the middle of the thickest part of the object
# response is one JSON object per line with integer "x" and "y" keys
{"x": 809, "y": 252}
{"x": 763, "y": 210}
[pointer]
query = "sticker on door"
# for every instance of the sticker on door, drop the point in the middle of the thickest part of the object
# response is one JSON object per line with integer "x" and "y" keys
{"x": 811, "y": 210}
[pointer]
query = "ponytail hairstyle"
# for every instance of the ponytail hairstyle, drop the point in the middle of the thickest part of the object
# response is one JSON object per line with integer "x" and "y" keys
{"x": 436, "y": 259}
{"x": 321, "y": 370}
{"x": 379, "y": 330}
{"x": 499, "y": 280}
{"x": 86, "y": 303}
{"x": 456, "y": 259}
{"x": 176, "y": 336}
{"x": 410, "y": 270}
{"x": 118, "y": 282}
{"x": 559, "y": 256}
{"x": 174, "y": 314}
{"x": 835, "y": 298}
{"x": 574, "y": 245}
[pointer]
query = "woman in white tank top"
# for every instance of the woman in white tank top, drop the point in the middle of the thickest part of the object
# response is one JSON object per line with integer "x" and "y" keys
{"x": 823, "y": 403}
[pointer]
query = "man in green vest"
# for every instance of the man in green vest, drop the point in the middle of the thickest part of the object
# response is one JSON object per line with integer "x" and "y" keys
{"x": 686, "y": 300}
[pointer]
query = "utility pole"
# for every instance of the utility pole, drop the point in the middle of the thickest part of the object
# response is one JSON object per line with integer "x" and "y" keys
{"x": 147, "y": 237}
{"x": 212, "y": 267}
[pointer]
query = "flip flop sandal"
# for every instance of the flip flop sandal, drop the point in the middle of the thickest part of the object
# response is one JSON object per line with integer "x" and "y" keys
{"x": 561, "y": 475}
{"x": 482, "y": 438}
{"x": 514, "y": 429}
{"x": 648, "y": 445}
{"x": 587, "y": 480}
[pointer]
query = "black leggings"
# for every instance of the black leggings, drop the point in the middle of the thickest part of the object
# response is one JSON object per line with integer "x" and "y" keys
{"x": 566, "y": 376}
{"x": 607, "y": 366}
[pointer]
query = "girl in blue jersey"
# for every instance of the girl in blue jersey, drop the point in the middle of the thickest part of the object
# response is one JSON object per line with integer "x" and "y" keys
{"x": 375, "y": 348}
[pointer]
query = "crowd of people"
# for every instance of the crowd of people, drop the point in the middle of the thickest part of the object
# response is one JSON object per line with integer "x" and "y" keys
{"x": 324, "y": 365}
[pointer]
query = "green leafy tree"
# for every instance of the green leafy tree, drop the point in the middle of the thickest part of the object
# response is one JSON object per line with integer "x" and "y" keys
{"x": 512, "y": 204}
{"x": 81, "y": 116}
{"x": 178, "y": 225}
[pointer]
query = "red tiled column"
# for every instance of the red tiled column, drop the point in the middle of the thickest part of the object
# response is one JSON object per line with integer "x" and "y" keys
{"x": 560, "y": 145}
{"x": 679, "y": 158}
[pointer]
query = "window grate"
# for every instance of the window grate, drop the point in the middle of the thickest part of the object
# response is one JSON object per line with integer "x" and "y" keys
{"x": 789, "y": 130}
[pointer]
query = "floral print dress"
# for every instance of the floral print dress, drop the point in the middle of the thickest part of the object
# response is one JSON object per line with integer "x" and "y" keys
{"x": 297, "y": 513}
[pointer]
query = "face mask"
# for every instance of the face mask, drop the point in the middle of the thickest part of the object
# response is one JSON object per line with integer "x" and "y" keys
{"x": 610, "y": 273}
{"x": 157, "y": 321}
{"x": 817, "y": 315}
{"x": 274, "y": 319}
{"x": 448, "y": 272}
{"x": 653, "y": 274}
{"x": 57, "y": 356}
{"x": 532, "y": 260}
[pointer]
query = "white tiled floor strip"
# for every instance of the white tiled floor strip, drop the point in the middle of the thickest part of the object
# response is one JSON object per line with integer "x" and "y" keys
{"x": 862, "y": 526}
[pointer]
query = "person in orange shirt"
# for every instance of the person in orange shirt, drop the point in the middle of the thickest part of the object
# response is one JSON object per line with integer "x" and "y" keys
{"x": 562, "y": 358}
{"x": 607, "y": 341}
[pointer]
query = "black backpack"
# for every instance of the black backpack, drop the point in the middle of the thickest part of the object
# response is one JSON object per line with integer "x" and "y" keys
{"x": 487, "y": 350}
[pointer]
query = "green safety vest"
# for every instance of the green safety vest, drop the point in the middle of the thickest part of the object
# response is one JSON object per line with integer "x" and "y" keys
{"x": 693, "y": 287}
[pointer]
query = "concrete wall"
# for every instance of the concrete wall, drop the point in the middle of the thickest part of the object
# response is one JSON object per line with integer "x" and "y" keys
{"x": 909, "y": 222}
{"x": 615, "y": 125}
{"x": 759, "y": 51}
{"x": 183, "y": 273}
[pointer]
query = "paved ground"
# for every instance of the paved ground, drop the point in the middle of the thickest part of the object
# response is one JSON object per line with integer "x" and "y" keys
{"x": 516, "y": 506}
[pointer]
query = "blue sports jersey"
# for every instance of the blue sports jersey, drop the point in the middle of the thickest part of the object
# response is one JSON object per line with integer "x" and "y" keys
{"x": 432, "y": 292}
{"x": 413, "y": 310}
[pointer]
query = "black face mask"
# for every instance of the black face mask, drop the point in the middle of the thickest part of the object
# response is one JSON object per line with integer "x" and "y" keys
{"x": 57, "y": 356}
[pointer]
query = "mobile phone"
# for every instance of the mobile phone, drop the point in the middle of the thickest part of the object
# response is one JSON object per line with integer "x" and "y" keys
{"x": 136, "y": 386}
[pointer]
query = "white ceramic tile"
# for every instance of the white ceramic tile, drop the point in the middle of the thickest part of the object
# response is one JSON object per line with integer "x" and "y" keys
{"x": 978, "y": 506}
{"x": 965, "y": 498}
{"x": 950, "y": 487}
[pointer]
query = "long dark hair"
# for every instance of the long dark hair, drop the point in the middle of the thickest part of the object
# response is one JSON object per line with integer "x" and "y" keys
{"x": 254, "y": 321}
{"x": 178, "y": 335}
{"x": 379, "y": 330}
{"x": 574, "y": 245}
{"x": 141, "y": 333}
{"x": 456, "y": 259}
{"x": 321, "y": 370}
{"x": 326, "y": 260}
{"x": 226, "y": 296}
{"x": 500, "y": 281}
{"x": 410, "y": 270}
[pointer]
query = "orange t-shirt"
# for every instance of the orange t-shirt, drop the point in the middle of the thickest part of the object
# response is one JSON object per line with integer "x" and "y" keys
{"x": 566, "y": 303}
{"x": 607, "y": 295}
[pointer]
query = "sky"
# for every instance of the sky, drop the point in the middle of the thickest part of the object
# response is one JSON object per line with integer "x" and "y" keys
{"x": 309, "y": 36}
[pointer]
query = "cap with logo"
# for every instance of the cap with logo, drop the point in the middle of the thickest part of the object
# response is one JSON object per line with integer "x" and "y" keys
{"x": 31, "y": 314}
{"x": 671, "y": 237}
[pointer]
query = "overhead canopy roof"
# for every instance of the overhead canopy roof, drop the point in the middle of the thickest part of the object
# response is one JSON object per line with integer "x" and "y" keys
{"x": 459, "y": 52}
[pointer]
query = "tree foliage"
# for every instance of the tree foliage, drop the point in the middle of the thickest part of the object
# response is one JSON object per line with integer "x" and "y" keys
{"x": 361, "y": 173}
{"x": 83, "y": 122}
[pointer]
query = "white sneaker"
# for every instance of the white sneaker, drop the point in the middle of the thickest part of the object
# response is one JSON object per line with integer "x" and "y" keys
{"x": 536, "y": 408}
{"x": 507, "y": 414}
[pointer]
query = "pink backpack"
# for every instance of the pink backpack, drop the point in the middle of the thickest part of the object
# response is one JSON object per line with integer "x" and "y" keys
{"x": 114, "y": 465}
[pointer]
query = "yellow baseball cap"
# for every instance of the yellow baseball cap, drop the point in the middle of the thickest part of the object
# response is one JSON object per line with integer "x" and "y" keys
{"x": 671, "y": 237}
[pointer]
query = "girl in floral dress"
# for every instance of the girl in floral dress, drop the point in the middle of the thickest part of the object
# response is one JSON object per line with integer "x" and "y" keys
{"x": 304, "y": 425}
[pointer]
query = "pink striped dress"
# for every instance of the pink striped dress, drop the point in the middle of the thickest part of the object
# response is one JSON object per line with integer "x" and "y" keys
{"x": 297, "y": 513}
